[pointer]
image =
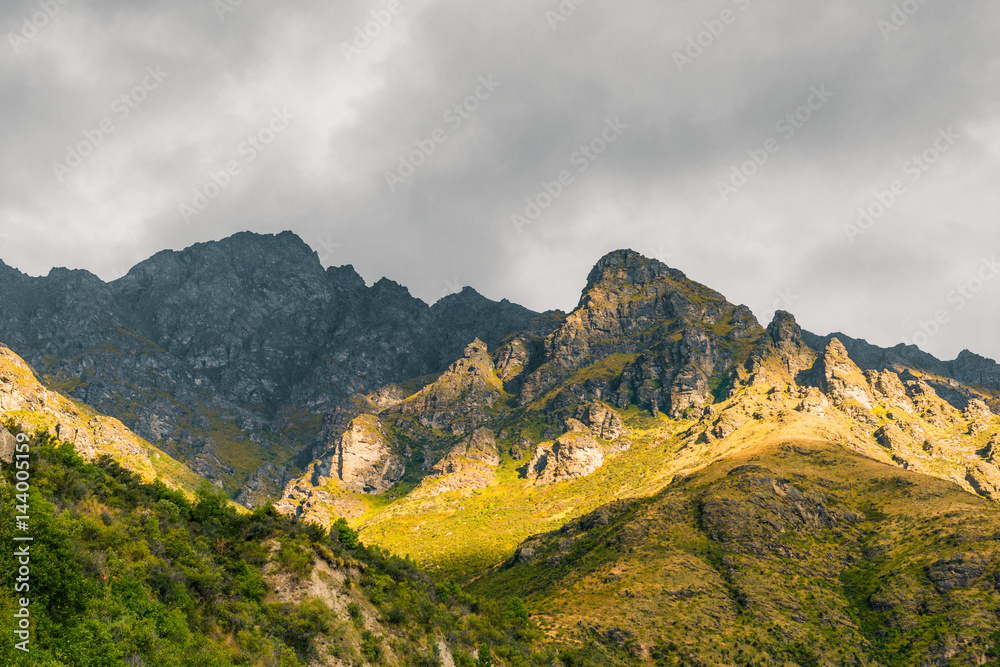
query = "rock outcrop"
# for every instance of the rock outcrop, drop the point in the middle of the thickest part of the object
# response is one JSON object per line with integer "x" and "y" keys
{"x": 461, "y": 398}
{"x": 470, "y": 464}
{"x": 984, "y": 478}
{"x": 841, "y": 379}
{"x": 602, "y": 421}
{"x": 781, "y": 356}
{"x": 669, "y": 326}
{"x": 573, "y": 454}
{"x": 364, "y": 460}
{"x": 958, "y": 571}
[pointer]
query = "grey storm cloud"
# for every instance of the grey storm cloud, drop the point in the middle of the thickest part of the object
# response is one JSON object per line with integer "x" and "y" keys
{"x": 394, "y": 156}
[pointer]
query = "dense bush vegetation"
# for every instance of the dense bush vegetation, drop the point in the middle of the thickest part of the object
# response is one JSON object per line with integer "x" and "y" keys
{"x": 124, "y": 572}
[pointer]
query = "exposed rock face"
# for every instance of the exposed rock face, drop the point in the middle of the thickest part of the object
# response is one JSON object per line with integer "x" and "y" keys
{"x": 386, "y": 397}
{"x": 251, "y": 332}
{"x": 946, "y": 376}
{"x": 984, "y": 478}
{"x": 574, "y": 454}
{"x": 887, "y": 388}
{"x": 7, "y": 444}
{"x": 728, "y": 423}
{"x": 958, "y": 571}
{"x": 979, "y": 416}
{"x": 637, "y": 306}
{"x": 841, "y": 379}
{"x": 262, "y": 486}
{"x": 992, "y": 450}
{"x": 601, "y": 420}
{"x": 482, "y": 446}
{"x": 751, "y": 511}
{"x": 365, "y": 460}
{"x": 513, "y": 360}
{"x": 469, "y": 465}
{"x": 974, "y": 369}
{"x": 814, "y": 402}
{"x": 524, "y": 447}
{"x": 892, "y": 437}
{"x": 781, "y": 356}
{"x": 461, "y": 399}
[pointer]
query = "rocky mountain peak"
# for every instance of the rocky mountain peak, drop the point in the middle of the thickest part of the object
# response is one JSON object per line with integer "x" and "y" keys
{"x": 784, "y": 329}
{"x": 627, "y": 267}
{"x": 685, "y": 335}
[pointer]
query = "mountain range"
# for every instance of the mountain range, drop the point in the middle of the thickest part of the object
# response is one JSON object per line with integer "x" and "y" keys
{"x": 656, "y": 474}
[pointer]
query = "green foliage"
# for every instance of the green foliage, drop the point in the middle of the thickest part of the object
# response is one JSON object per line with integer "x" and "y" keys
{"x": 517, "y": 611}
{"x": 801, "y": 655}
{"x": 138, "y": 574}
{"x": 371, "y": 647}
{"x": 296, "y": 556}
{"x": 346, "y": 535}
{"x": 485, "y": 657}
{"x": 994, "y": 651}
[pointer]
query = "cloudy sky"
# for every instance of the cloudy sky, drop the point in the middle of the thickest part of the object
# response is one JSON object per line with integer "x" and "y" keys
{"x": 509, "y": 145}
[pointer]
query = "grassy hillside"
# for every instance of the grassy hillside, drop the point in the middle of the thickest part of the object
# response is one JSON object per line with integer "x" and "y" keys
{"x": 460, "y": 533}
{"x": 790, "y": 553}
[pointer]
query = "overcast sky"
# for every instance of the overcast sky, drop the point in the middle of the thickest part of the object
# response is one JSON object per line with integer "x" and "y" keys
{"x": 116, "y": 115}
